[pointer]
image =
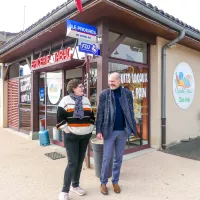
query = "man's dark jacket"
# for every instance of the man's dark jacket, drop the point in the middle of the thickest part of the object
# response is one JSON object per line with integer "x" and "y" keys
{"x": 107, "y": 111}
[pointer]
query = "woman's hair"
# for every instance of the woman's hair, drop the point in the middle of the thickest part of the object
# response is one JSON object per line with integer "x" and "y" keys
{"x": 72, "y": 84}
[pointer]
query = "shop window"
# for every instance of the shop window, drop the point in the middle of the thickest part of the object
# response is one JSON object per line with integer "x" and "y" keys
{"x": 50, "y": 94}
{"x": 136, "y": 80}
{"x": 93, "y": 85}
{"x": 25, "y": 103}
{"x": 13, "y": 71}
{"x": 24, "y": 69}
{"x": 130, "y": 49}
{"x": 53, "y": 97}
{"x": 19, "y": 69}
{"x": 42, "y": 97}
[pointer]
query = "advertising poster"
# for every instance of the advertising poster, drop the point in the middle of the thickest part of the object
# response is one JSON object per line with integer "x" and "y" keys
{"x": 183, "y": 85}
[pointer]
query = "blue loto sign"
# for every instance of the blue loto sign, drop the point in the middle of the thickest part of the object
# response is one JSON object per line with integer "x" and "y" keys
{"x": 81, "y": 31}
{"x": 89, "y": 47}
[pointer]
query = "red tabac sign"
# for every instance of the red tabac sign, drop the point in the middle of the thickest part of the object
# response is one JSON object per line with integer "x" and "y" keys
{"x": 79, "y": 5}
{"x": 65, "y": 54}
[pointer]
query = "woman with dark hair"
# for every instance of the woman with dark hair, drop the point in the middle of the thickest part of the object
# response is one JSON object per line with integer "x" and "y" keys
{"x": 76, "y": 118}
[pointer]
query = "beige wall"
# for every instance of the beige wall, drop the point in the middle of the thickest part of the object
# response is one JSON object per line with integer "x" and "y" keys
{"x": 155, "y": 99}
{"x": 181, "y": 124}
{"x": 1, "y": 96}
{"x": 3, "y": 99}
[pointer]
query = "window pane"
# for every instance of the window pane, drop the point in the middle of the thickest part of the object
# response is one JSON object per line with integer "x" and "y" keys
{"x": 25, "y": 103}
{"x": 53, "y": 97}
{"x": 24, "y": 70}
{"x": 136, "y": 80}
{"x": 130, "y": 49}
{"x": 93, "y": 91}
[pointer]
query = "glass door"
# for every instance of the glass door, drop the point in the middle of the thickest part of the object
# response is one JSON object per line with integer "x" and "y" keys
{"x": 136, "y": 79}
{"x": 53, "y": 97}
{"x": 50, "y": 94}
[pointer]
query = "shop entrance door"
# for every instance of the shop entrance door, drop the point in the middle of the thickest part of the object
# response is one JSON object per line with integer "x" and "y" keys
{"x": 50, "y": 94}
{"x": 52, "y": 88}
{"x": 13, "y": 103}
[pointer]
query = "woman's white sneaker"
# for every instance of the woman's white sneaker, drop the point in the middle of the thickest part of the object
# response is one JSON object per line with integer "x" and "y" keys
{"x": 78, "y": 190}
{"x": 64, "y": 196}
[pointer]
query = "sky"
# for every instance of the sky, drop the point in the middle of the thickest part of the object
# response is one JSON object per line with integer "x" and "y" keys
{"x": 12, "y": 12}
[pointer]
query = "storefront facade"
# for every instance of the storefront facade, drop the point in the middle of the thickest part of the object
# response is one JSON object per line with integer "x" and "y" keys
{"x": 182, "y": 122}
{"x": 1, "y": 96}
{"x": 39, "y": 68}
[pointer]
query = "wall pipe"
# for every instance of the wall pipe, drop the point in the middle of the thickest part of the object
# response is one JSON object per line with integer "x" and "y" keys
{"x": 163, "y": 87}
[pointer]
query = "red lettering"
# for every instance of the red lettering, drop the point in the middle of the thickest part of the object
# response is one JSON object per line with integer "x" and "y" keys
{"x": 56, "y": 56}
{"x": 65, "y": 56}
{"x": 48, "y": 58}
{"x": 41, "y": 61}
{"x": 61, "y": 55}
{"x": 38, "y": 63}
{"x": 69, "y": 52}
{"x": 33, "y": 64}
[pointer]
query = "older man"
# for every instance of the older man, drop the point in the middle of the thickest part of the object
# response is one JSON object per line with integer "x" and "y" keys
{"x": 115, "y": 122}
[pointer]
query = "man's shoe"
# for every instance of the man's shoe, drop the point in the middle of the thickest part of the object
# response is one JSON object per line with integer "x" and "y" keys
{"x": 64, "y": 196}
{"x": 78, "y": 190}
{"x": 104, "y": 189}
{"x": 116, "y": 188}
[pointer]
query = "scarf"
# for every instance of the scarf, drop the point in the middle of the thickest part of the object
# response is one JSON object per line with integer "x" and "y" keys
{"x": 78, "y": 111}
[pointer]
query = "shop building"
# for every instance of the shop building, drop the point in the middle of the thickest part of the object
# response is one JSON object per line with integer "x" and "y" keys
{"x": 4, "y": 37}
{"x": 134, "y": 42}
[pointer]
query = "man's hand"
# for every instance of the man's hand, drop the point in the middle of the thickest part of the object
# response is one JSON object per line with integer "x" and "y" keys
{"x": 99, "y": 136}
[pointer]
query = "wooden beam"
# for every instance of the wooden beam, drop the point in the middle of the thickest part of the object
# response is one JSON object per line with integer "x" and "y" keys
{"x": 28, "y": 62}
{"x": 64, "y": 83}
{"x": 116, "y": 43}
{"x": 19, "y": 60}
{"x": 6, "y": 74}
{"x": 102, "y": 62}
{"x": 35, "y": 76}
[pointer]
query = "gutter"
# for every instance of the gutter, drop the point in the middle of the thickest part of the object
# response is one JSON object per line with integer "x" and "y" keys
{"x": 163, "y": 87}
{"x": 69, "y": 7}
{"x": 153, "y": 14}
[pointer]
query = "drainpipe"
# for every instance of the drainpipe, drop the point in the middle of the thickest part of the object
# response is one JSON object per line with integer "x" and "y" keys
{"x": 163, "y": 89}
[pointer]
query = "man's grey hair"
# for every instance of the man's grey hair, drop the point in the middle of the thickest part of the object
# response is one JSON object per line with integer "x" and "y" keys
{"x": 118, "y": 75}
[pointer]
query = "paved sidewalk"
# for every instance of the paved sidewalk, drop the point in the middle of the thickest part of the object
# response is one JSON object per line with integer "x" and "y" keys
{"x": 186, "y": 149}
{"x": 26, "y": 174}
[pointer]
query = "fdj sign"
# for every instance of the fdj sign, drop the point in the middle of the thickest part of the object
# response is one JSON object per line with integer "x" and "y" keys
{"x": 81, "y": 31}
{"x": 89, "y": 47}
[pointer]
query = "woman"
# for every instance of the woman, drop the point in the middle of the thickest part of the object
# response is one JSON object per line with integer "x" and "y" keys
{"x": 76, "y": 118}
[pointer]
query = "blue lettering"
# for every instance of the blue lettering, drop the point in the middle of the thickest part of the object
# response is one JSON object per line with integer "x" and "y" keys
{"x": 85, "y": 46}
{"x": 73, "y": 27}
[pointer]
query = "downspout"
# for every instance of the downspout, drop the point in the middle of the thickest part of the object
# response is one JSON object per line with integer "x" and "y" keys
{"x": 163, "y": 88}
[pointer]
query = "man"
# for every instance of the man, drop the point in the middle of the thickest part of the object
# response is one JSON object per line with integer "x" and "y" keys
{"x": 115, "y": 122}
